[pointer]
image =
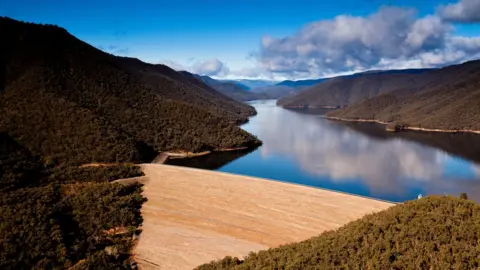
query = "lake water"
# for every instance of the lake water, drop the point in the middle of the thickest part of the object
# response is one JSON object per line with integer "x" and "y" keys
{"x": 356, "y": 158}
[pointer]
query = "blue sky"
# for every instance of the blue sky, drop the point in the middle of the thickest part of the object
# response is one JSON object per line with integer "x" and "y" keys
{"x": 191, "y": 34}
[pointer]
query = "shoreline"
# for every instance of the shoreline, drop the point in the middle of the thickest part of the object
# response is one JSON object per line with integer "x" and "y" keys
{"x": 405, "y": 128}
{"x": 295, "y": 107}
{"x": 193, "y": 216}
{"x": 165, "y": 156}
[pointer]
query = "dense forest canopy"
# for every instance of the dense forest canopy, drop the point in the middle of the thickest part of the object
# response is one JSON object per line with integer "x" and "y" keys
{"x": 56, "y": 217}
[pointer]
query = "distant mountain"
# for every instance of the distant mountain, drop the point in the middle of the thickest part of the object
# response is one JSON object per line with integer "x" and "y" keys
{"x": 239, "y": 84}
{"x": 393, "y": 71}
{"x": 290, "y": 88}
{"x": 277, "y": 91}
{"x": 301, "y": 83}
{"x": 446, "y": 98}
{"x": 252, "y": 84}
{"x": 231, "y": 89}
{"x": 264, "y": 89}
{"x": 344, "y": 90}
{"x": 287, "y": 88}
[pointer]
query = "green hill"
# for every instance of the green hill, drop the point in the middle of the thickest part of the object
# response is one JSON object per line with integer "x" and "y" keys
{"x": 450, "y": 101}
{"x": 66, "y": 100}
{"x": 431, "y": 233}
{"x": 344, "y": 90}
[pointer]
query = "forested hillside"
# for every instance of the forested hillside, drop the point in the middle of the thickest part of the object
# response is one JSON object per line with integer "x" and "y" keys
{"x": 345, "y": 90}
{"x": 301, "y": 83}
{"x": 53, "y": 218}
{"x": 431, "y": 233}
{"x": 449, "y": 101}
{"x": 66, "y": 106}
{"x": 100, "y": 103}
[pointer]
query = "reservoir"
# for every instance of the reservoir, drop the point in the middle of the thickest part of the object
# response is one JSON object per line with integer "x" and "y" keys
{"x": 356, "y": 158}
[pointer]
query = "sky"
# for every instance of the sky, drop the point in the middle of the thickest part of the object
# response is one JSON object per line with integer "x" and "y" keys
{"x": 268, "y": 39}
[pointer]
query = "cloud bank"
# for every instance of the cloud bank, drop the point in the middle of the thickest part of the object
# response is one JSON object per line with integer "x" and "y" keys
{"x": 209, "y": 67}
{"x": 463, "y": 11}
{"x": 390, "y": 38}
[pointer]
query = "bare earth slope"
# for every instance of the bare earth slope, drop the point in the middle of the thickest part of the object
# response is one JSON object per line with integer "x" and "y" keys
{"x": 450, "y": 104}
{"x": 195, "y": 216}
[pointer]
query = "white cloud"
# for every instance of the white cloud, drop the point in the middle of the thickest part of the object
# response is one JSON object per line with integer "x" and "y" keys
{"x": 253, "y": 72}
{"x": 210, "y": 67}
{"x": 427, "y": 32}
{"x": 463, "y": 11}
{"x": 390, "y": 38}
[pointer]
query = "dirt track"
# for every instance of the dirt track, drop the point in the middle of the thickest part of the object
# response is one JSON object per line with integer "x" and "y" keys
{"x": 195, "y": 216}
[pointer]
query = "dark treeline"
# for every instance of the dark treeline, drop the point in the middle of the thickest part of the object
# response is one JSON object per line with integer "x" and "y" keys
{"x": 431, "y": 233}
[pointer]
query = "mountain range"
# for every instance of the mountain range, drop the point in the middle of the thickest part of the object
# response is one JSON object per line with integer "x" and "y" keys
{"x": 301, "y": 83}
{"x": 343, "y": 90}
{"x": 257, "y": 89}
{"x": 251, "y": 83}
{"x": 232, "y": 89}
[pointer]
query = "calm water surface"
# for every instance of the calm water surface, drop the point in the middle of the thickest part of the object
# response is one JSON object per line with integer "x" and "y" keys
{"x": 357, "y": 158}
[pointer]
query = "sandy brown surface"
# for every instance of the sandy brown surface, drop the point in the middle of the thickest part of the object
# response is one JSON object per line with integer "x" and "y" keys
{"x": 194, "y": 216}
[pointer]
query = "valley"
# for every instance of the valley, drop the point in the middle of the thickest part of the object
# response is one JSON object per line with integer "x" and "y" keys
{"x": 185, "y": 135}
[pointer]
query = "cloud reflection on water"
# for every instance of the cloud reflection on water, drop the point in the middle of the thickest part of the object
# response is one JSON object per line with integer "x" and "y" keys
{"x": 386, "y": 166}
